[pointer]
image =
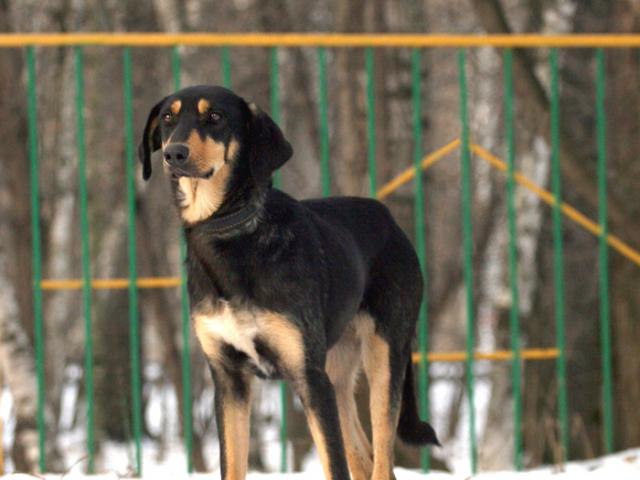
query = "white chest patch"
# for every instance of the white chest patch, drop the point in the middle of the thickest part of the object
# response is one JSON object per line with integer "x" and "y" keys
{"x": 221, "y": 324}
{"x": 237, "y": 328}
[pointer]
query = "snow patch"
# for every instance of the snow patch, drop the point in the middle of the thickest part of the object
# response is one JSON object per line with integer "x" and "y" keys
{"x": 623, "y": 465}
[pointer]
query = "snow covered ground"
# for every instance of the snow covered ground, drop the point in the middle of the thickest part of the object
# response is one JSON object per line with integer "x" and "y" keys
{"x": 168, "y": 462}
{"x": 620, "y": 466}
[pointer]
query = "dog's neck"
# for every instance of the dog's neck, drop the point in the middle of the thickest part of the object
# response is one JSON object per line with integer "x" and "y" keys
{"x": 240, "y": 221}
{"x": 238, "y": 211}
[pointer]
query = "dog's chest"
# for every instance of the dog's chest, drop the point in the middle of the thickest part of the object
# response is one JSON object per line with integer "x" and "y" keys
{"x": 238, "y": 328}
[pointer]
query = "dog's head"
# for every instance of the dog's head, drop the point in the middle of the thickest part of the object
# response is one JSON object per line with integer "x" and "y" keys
{"x": 211, "y": 141}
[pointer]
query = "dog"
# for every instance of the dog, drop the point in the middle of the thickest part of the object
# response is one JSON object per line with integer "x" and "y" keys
{"x": 308, "y": 291}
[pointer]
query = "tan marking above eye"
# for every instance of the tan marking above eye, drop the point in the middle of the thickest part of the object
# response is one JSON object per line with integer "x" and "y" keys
{"x": 232, "y": 149}
{"x": 176, "y": 105}
{"x": 203, "y": 105}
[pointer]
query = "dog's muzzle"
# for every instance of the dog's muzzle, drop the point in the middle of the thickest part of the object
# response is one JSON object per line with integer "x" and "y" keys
{"x": 176, "y": 157}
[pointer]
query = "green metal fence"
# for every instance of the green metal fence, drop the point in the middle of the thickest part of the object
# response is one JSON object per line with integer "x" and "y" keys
{"x": 420, "y": 162}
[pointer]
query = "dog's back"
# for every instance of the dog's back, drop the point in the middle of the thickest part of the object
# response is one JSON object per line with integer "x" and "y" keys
{"x": 368, "y": 221}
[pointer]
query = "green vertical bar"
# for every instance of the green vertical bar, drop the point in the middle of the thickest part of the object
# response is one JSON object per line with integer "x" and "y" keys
{"x": 226, "y": 67}
{"x": 467, "y": 236}
{"x": 514, "y": 319}
{"x": 324, "y": 123}
{"x": 184, "y": 301}
{"x": 86, "y": 258}
{"x": 605, "y": 321}
{"x": 175, "y": 66}
{"x": 423, "y": 379}
{"x": 283, "y": 427}
{"x": 371, "y": 121}
{"x": 34, "y": 184}
{"x": 134, "y": 323}
{"x": 558, "y": 268}
{"x": 274, "y": 77}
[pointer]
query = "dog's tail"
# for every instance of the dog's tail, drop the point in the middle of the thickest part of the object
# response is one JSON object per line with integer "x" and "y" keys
{"x": 410, "y": 428}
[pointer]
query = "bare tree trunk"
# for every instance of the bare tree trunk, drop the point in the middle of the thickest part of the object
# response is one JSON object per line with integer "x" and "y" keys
{"x": 16, "y": 314}
{"x": 492, "y": 15}
{"x": 351, "y": 155}
{"x": 15, "y": 209}
{"x": 19, "y": 372}
{"x": 496, "y": 453}
{"x": 623, "y": 75}
{"x": 376, "y": 21}
{"x": 158, "y": 306}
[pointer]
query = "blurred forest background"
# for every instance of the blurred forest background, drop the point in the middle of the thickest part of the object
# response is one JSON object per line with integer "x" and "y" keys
{"x": 157, "y": 226}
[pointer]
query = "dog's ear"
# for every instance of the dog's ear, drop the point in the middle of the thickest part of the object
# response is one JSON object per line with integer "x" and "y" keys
{"x": 269, "y": 149}
{"x": 150, "y": 139}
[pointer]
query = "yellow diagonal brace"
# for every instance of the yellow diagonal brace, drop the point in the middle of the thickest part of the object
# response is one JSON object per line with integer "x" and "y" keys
{"x": 547, "y": 197}
{"x": 408, "y": 174}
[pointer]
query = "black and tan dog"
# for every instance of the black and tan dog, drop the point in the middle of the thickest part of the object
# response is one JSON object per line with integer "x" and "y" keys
{"x": 309, "y": 291}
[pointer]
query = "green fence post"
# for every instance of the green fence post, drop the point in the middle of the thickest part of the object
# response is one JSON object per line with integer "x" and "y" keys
{"x": 226, "y": 67}
{"x": 371, "y": 120}
{"x": 467, "y": 234}
{"x": 86, "y": 258}
{"x": 558, "y": 268}
{"x": 324, "y": 122}
{"x": 514, "y": 314}
{"x": 34, "y": 185}
{"x": 605, "y": 320}
{"x": 274, "y": 76}
{"x": 423, "y": 372}
{"x": 184, "y": 302}
{"x": 134, "y": 323}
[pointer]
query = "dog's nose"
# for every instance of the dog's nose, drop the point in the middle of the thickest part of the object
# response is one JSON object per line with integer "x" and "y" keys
{"x": 176, "y": 154}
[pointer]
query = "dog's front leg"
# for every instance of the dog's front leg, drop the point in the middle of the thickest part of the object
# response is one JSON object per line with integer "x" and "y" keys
{"x": 233, "y": 409}
{"x": 319, "y": 400}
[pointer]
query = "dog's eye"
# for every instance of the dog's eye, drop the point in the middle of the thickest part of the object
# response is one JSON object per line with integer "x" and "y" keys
{"x": 167, "y": 117}
{"x": 214, "y": 117}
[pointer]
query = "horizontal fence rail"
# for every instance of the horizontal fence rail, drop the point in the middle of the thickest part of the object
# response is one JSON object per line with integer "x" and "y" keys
{"x": 497, "y": 355}
{"x": 463, "y": 145}
{"x": 332, "y": 40}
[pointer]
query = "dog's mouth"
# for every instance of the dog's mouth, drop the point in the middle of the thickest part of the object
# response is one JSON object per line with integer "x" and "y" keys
{"x": 177, "y": 173}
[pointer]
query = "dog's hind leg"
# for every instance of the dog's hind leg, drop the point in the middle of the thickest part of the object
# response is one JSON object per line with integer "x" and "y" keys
{"x": 303, "y": 364}
{"x": 343, "y": 366}
{"x": 385, "y": 381}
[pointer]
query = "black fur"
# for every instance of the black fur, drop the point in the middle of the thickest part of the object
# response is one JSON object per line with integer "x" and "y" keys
{"x": 410, "y": 428}
{"x": 150, "y": 139}
{"x": 269, "y": 149}
{"x": 317, "y": 263}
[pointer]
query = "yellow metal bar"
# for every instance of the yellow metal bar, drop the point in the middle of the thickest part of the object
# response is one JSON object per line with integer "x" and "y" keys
{"x": 318, "y": 40}
{"x": 546, "y": 196}
{"x": 407, "y": 175}
{"x": 498, "y": 355}
{"x": 111, "y": 283}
